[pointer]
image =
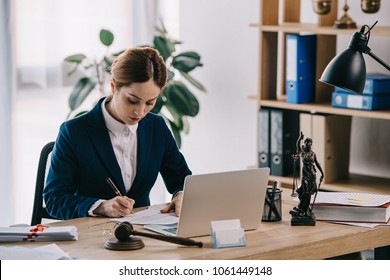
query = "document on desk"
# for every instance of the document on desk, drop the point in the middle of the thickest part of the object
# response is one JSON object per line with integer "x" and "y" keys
{"x": 38, "y": 233}
{"x": 46, "y": 252}
{"x": 352, "y": 199}
{"x": 152, "y": 215}
{"x": 367, "y": 225}
{"x": 357, "y": 209}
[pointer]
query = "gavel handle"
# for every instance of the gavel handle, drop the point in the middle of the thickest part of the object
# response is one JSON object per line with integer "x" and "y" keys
{"x": 172, "y": 239}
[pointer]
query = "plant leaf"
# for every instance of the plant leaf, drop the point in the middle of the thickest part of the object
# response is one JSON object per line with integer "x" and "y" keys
{"x": 116, "y": 54}
{"x": 161, "y": 31}
{"x": 73, "y": 70}
{"x": 170, "y": 74}
{"x": 159, "y": 104}
{"x": 164, "y": 46}
{"x": 193, "y": 81}
{"x": 80, "y": 92}
{"x": 106, "y": 37}
{"x": 108, "y": 61}
{"x": 182, "y": 99}
{"x": 177, "y": 116}
{"x": 186, "y": 125}
{"x": 75, "y": 58}
{"x": 186, "y": 62}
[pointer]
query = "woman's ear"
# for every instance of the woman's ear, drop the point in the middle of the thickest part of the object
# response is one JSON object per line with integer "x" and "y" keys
{"x": 112, "y": 86}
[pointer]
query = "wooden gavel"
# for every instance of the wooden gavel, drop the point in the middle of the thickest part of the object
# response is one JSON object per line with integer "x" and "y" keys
{"x": 125, "y": 229}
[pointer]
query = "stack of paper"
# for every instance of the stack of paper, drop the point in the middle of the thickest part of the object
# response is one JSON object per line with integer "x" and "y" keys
{"x": 47, "y": 252}
{"x": 352, "y": 207}
{"x": 38, "y": 233}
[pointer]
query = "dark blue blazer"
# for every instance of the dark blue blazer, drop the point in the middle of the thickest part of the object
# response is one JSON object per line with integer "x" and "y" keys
{"x": 83, "y": 157}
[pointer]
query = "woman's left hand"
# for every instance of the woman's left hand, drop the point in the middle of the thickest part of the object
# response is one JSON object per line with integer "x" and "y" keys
{"x": 174, "y": 205}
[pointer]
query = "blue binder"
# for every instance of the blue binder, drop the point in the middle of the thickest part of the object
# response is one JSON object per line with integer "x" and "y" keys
{"x": 363, "y": 102}
{"x": 300, "y": 67}
{"x": 376, "y": 83}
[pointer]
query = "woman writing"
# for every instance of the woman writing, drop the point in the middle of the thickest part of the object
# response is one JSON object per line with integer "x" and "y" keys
{"x": 120, "y": 141}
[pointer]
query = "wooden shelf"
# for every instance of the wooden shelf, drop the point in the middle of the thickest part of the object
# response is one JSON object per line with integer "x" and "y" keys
{"x": 314, "y": 28}
{"x": 354, "y": 183}
{"x": 360, "y": 183}
{"x": 279, "y": 18}
{"x": 325, "y": 108}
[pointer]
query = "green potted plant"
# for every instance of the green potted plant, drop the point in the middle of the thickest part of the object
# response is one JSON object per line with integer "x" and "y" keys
{"x": 175, "y": 104}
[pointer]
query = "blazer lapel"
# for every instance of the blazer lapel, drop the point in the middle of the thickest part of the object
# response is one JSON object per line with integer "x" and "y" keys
{"x": 101, "y": 141}
{"x": 143, "y": 151}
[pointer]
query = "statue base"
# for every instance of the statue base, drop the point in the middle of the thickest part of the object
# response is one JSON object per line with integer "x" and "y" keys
{"x": 299, "y": 219}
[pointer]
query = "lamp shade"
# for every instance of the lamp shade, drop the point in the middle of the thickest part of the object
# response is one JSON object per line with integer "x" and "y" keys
{"x": 347, "y": 71}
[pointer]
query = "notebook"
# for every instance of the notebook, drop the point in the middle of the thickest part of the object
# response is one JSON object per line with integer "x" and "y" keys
{"x": 219, "y": 196}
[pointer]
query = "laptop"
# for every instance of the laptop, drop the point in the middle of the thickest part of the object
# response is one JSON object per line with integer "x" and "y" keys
{"x": 219, "y": 196}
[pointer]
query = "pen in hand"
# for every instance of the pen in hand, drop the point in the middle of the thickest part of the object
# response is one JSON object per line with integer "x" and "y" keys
{"x": 112, "y": 185}
{"x": 115, "y": 189}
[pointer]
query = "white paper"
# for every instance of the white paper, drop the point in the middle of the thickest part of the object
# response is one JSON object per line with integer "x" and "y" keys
{"x": 355, "y": 101}
{"x": 47, "y": 252}
{"x": 291, "y": 61}
{"x": 354, "y": 199}
{"x": 227, "y": 233}
{"x": 14, "y": 234}
{"x": 229, "y": 236}
{"x": 152, "y": 215}
{"x": 368, "y": 225}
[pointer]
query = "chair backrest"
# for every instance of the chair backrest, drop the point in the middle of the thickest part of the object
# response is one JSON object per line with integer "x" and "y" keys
{"x": 39, "y": 210}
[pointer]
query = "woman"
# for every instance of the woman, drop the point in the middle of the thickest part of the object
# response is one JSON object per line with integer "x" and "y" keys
{"x": 118, "y": 140}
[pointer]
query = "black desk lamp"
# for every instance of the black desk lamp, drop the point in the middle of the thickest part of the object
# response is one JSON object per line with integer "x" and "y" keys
{"x": 348, "y": 70}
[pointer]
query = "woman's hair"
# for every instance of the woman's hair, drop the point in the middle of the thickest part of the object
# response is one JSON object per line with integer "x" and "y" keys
{"x": 138, "y": 65}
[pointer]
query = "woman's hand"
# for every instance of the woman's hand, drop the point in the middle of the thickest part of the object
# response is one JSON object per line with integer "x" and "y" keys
{"x": 174, "y": 205}
{"x": 119, "y": 206}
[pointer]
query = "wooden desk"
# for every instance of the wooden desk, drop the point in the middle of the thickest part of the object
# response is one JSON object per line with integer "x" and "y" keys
{"x": 272, "y": 241}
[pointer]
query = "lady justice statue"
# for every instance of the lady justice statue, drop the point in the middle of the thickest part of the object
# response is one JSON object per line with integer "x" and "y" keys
{"x": 303, "y": 213}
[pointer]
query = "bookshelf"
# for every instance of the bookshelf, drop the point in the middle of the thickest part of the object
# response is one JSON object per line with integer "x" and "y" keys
{"x": 279, "y": 18}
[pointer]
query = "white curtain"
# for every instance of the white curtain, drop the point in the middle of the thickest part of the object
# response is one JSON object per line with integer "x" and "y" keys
{"x": 45, "y": 32}
{"x": 148, "y": 14}
{"x": 145, "y": 17}
{"x": 6, "y": 89}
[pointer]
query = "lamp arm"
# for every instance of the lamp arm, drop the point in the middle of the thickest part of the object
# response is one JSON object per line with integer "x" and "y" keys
{"x": 384, "y": 64}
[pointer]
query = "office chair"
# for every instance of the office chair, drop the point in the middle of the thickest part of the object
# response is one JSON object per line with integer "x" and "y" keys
{"x": 39, "y": 210}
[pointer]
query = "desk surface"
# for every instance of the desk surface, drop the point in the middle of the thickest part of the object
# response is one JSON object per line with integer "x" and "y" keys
{"x": 276, "y": 240}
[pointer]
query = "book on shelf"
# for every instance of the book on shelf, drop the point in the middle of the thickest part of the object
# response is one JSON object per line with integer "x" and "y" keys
{"x": 300, "y": 67}
{"x": 352, "y": 207}
{"x": 264, "y": 138}
{"x": 38, "y": 233}
{"x": 283, "y": 133}
{"x": 362, "y": 102}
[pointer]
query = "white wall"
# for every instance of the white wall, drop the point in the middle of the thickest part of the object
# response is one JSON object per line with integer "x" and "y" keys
{"x": 223, "y": 135}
